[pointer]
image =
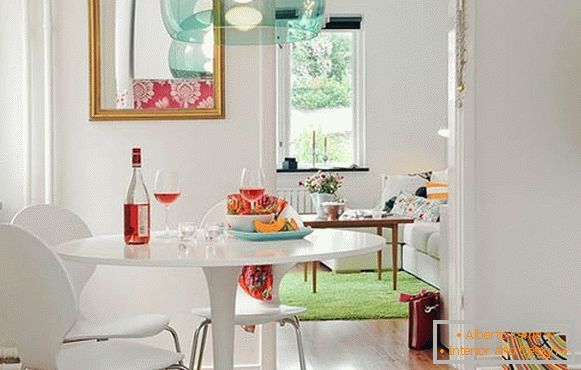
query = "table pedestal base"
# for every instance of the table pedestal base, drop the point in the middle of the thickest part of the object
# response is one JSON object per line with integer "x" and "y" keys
{"x": 222, "y": 283}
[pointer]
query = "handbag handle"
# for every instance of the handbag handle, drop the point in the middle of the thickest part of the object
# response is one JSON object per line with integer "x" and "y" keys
{"x": 429, "y": 309}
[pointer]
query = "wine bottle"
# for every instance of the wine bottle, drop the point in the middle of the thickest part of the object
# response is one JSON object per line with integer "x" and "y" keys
{"x": 136, "y": 207}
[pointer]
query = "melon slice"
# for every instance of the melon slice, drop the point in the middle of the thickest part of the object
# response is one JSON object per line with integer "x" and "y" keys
{"x": 274, "y": 227}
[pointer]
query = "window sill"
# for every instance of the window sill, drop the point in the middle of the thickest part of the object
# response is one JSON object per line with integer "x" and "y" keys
{"x": 336, "y": 169}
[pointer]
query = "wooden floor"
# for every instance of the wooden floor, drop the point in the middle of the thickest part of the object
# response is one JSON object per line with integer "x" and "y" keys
{"x": 353, "y": 345}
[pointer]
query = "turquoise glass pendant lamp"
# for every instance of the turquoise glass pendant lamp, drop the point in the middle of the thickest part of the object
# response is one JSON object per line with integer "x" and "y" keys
{"x": 189, "y": 60}
{"x": 244, "y": 22}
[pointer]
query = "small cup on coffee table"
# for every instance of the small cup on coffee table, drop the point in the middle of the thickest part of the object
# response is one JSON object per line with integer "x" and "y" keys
{"x": 334, "y": 210}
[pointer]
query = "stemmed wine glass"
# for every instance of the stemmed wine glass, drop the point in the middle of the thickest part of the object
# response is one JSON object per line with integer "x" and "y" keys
{"x": 252, "y": 185}
{"x": 166, "y": 192}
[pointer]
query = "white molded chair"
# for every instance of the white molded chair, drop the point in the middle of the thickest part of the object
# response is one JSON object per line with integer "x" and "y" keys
{"x": 54, "y": 225}
{"x": 39, "y": 307}
{"x": 250, "y": 311}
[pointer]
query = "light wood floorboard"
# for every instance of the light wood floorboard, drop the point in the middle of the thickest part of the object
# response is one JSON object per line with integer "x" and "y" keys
{"x": 353, "y": 345}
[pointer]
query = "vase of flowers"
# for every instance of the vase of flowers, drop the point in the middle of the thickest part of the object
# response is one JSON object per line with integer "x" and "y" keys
{"x": 323, "y": 188}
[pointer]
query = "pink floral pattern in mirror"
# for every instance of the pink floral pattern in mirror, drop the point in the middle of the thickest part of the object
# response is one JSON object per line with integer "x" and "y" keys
{"x": 173, "y": 94}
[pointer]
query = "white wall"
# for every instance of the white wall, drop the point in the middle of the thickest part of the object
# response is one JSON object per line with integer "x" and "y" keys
{"x": 527, "y": 161}
{"x": 406, "y": 90}
{"x": 11, "y": 115}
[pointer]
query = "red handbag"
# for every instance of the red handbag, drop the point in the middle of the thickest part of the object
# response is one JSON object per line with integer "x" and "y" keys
{"x": 424, "y": 308}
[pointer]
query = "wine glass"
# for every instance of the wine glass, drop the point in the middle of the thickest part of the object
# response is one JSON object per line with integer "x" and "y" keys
{"x": 252, "y": 185}
{"x": 166, "y": 192}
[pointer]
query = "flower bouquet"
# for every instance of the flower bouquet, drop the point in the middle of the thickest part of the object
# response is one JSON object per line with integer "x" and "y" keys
{"x": 323, "y": 183}
{"x": 323, "y": 188}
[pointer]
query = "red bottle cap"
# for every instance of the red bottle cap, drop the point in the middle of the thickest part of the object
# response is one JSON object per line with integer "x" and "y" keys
{"x": 136, "y": 158}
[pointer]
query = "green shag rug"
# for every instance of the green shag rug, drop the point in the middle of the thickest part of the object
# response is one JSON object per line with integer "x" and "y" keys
{"x": 354, "y": 296}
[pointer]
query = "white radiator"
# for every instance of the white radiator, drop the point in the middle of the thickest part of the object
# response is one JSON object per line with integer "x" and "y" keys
{"x": 299, "y": 198}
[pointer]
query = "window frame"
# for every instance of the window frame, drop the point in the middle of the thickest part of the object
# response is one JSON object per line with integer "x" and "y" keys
{"x": 283, "y": 88}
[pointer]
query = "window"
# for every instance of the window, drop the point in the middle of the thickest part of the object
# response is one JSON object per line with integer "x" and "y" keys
{"x": 320, "y": 98}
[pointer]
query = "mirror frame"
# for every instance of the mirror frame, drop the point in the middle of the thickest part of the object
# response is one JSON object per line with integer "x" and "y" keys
{"x": 98, "y": 113}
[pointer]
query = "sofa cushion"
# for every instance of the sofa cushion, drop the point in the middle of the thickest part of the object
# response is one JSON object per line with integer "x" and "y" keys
{"x": 437, "y": 190}
{"x": 440, "y": 176}
{"x": 433, "y": 248}
{"x": 419, "y": 208}
{"x": 416, "y": 235}
{"x": 395, "y": 184}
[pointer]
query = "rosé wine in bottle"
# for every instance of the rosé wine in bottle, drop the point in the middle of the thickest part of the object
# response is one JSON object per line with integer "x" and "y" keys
{"x": 136, "y": 208}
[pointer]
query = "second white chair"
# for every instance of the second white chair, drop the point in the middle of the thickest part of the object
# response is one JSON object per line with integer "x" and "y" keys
{"x": 250, "y": 311}
{"x": 54, "y": 225}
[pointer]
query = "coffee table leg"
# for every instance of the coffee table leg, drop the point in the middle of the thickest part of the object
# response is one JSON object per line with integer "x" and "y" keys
{"x": 222, "y": 283}
{"x": 315, "y": 265}
{"x": 379, "y": 255}
{"x": 394, "y": 248}
{"x": 305, "y": 271}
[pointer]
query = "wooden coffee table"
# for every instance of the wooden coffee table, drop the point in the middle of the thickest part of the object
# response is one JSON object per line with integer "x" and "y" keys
{"x": 391, "y": 222}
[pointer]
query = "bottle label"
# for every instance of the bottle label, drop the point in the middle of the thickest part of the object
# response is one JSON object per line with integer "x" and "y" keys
{"x": 142, "y": 220}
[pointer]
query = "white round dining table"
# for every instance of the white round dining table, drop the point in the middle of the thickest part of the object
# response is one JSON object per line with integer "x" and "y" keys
{"x": 221, "y": 262}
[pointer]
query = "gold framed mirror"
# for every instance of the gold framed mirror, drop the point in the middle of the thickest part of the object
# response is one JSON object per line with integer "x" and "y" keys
{"x": 139, "y": 72}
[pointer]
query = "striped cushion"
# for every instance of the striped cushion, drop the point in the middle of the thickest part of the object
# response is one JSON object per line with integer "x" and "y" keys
{"x": 437, "y": 190}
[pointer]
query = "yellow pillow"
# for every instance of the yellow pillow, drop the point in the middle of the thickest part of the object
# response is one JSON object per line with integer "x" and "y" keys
{"x": 437, "y": 190}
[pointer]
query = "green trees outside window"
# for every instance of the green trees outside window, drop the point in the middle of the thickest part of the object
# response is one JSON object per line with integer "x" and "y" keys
{"x": 321, "y": 72}
{"x": 321, "y": 99}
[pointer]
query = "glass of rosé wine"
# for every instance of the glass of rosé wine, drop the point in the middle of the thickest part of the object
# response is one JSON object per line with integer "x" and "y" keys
{"x": 166, "y": 192}
{"x": 252, "y": 185}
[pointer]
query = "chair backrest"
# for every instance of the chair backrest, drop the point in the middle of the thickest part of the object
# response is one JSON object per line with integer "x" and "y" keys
{"x": 38, "y": 305}
{"x": 215, "y": 215}
{"x": 54, "y": 225}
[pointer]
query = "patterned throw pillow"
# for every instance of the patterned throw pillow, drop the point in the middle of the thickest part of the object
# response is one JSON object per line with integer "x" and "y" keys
{"x": 437, "y": 190}
{"x": 410, "y": 183}
{"x": 419, "y": 208}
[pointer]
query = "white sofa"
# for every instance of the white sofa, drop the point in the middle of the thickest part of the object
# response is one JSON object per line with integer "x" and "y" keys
{"x": 419, "y": 249}
{"x": 418, "y": 253}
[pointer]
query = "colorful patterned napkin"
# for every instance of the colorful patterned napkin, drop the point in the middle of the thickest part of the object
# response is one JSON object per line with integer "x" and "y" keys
{"x": 256, "y": 280}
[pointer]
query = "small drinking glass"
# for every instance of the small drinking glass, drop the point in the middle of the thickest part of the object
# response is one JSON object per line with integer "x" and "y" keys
{"x": 215, "y": 232}
{"x": 187, "y": 231}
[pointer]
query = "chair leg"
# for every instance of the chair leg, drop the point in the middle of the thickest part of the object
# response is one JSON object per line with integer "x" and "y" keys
{"x": 315, "y": 265}
{"x": 294, "y": 321}
{"x": 203, "y": 326}
{"x": 176, "y": 340}
{"x": 203, "y": 345}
